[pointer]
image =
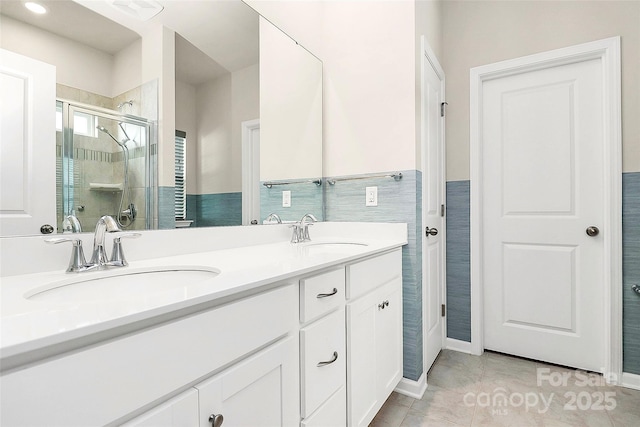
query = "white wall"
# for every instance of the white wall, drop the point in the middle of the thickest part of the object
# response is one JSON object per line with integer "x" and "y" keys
{"x": 482, "y": 32}
{"x": 245, "y": 105}
{"x": 186, "y": 121}
{"x": 158, "y": 62}
{"x": 213, "y": 106}
{"x": 77, "y": 65}
{"x": 220, "y": 106}
{"x": 290, "y": 108}
{"x": 368, "y": 54}
{"x": 127, "y": 68}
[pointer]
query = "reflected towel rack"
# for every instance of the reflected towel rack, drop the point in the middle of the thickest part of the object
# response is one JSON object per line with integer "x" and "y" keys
{"x": 636, "y": 289}
{"x": 270, "y": 184}
{"x": 397, "y": 176}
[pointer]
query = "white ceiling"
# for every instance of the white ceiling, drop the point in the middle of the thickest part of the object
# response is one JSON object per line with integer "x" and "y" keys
{"x": 226, "y": 30}
{"x": 70, "y": 20}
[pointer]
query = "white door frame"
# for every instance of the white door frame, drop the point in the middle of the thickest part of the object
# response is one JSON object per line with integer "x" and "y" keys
{"x": 248, "y": 153}
{"x": 608, "y": 52}
{"x": 429, "y": 59}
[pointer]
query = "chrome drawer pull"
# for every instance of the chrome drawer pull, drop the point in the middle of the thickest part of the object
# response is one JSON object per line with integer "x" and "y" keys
{"x": 335, "y": 357}
{"x": 335, "y": 291}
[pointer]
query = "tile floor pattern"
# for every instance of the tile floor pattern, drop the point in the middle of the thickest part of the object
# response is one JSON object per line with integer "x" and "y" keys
{"x": 500, "y": 390}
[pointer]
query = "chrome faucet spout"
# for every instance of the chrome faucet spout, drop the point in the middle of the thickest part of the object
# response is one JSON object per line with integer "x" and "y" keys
{"x": 273, "y": 216}
{"x": 106, "y": 224}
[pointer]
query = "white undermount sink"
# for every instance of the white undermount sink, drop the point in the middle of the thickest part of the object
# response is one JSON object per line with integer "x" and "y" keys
{"x": 331, "y": 247}
{"x": 328, "y": 244}
{"x": 121, "y": 283}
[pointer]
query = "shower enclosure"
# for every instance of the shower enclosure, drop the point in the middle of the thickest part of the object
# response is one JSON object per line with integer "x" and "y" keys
{"x": 105, "y": 164}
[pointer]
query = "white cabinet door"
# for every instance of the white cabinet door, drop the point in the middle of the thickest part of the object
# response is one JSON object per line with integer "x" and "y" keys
{"x": 374, "y": 347}
{"x": 181, "y": 411}
{"x": 261, "y": 390}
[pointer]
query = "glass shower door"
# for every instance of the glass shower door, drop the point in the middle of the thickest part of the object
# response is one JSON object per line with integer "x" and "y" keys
{"x": 104, "y": 168}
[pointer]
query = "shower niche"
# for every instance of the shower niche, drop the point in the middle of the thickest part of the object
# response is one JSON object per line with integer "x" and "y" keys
{"x": 104, "y": 166}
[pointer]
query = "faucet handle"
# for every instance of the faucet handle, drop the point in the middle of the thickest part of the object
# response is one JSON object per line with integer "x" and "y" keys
{"x": 77, "y": 262}
{"x": 117, "y": 255}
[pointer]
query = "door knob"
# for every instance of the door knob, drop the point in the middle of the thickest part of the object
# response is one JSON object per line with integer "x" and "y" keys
{"x": 592, "y": 231}
{"x": 431, "y": 231}
{"x": 216, "y": 420}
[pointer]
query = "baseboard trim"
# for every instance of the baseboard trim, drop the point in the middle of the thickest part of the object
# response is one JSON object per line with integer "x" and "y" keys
{"x": 457, "y": 345}
{"x": 412, "y": 388}
{"x": 630, "y": 381}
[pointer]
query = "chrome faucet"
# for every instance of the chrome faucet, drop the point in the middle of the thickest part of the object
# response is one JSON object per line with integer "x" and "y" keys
{"x": 273, "y": 216}
{"x": 71, "y": 224}
{"x": 106, "y": 224}
{"x": 301, "y": 229}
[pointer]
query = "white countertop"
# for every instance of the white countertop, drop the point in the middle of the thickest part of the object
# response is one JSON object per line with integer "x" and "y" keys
{"x": 32, "y": 325}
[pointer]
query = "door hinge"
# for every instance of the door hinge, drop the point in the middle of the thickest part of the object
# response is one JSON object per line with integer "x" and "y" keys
{"x": 442, "y": 108}
{"x": 441, "y": 210}
{"x": 443, "y": 310}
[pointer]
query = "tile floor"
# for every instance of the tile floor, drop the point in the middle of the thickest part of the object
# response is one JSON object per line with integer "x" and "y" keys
{"x": 500, "y": 390}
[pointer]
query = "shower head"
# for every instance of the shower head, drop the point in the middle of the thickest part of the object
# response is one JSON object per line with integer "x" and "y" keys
{"x": 105, "y": 130}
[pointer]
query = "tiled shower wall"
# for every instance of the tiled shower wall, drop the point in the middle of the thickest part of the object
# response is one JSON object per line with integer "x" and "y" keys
{"x": 458, "y": 266}
{"x": 104, "y": 162}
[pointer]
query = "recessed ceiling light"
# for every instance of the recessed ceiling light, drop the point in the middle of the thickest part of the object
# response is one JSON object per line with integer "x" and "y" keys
{"x": 35, "y": 7}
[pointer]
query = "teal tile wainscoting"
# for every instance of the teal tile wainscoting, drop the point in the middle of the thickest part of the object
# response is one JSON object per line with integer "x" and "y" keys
{"x": 166, "y": 207}
{"x": 398, "y": 201}
{"x": 630, "y": 272}
{"x": 306, "y": 197}
{"x": 221, "y": 209}
{"x": 458, "y": 266}
{"x": 458, "y": 261}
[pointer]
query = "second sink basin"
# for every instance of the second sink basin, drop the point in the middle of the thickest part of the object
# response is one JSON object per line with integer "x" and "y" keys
{"x": 122, "y": 283}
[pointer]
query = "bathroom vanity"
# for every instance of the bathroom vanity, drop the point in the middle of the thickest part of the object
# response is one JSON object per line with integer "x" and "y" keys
{"x": 279, "y": 334}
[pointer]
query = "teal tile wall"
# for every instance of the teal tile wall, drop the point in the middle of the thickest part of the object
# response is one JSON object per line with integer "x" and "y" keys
{"x": 398, "y": 201}
{"x": 630, "y": 272}
{"x": 306, "y": 197}
{"x": 458, "y": 261}
{"x": 166, "y": 207}
{"x": 222, "y": 209}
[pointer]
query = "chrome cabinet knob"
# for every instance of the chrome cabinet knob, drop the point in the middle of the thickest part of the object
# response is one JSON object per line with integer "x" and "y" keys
{"x": 592, "y": 231}
{"x": 216, "y": 420}
{"x": 431, "y": 231}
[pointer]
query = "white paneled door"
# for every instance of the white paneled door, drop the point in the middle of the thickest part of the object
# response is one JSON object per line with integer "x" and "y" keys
{"x": 433, "y": 184}
{"x": 27, "y": 145}
{"x": 543, "y": 213}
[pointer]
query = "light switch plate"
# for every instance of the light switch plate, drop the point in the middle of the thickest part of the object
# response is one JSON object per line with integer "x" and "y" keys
{"x": 371, "y": 196}
{"x": 286, "y": 199}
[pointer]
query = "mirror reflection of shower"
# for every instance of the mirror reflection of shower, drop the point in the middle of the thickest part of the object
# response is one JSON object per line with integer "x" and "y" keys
{"x": 130, "y": 208}
{"x": 105, "y": 167}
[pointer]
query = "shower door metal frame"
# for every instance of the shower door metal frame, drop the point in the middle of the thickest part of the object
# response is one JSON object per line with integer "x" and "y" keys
{"x": 151, "y": 193}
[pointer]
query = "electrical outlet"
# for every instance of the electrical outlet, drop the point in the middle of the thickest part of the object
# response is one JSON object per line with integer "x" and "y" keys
{"x": 371, "y": 196}
{"x": 286, "y": 199}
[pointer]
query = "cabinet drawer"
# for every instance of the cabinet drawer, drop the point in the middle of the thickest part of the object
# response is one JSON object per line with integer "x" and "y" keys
{"x": 320, "y": 294}
{"x": 333, "y": 412}
{"x": 322, "y": 341}
{"x": 367, "y": 275}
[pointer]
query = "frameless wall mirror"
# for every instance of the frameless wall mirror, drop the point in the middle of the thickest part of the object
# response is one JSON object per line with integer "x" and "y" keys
{"x": 247, "y": 99}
